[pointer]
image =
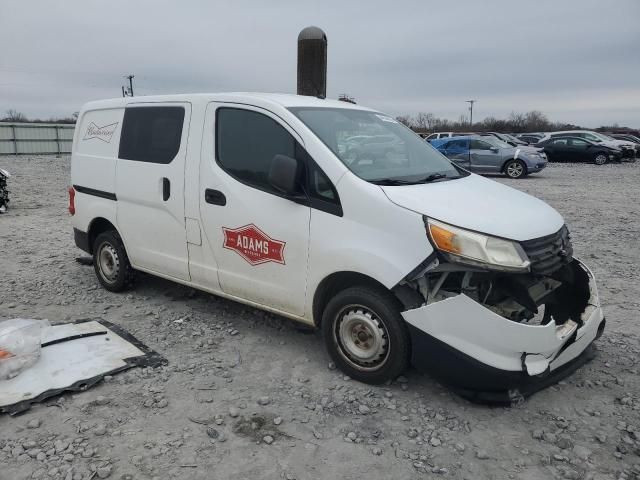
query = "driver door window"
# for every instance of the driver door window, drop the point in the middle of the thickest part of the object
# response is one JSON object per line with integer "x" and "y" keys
{"x": 246, "y": 142}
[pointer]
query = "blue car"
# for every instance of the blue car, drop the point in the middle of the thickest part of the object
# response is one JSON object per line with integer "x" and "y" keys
{"x": 491, "y": 155}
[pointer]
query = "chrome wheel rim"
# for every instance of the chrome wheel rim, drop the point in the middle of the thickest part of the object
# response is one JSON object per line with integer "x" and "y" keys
{"x": 601, "y": 159}
{"x": 361, "y": 337}
{"x": 515, "y": 169}
{"x": 108, "y": 262}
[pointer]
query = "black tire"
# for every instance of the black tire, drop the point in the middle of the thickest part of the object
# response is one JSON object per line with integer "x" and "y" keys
{"x": 600, "y": 158}
{"x": 515, "y": 169}
{"x": 370, "y": 316}
{"x": 111, "y": 263}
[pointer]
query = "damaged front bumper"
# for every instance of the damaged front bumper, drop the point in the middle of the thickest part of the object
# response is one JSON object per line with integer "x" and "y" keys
{"x": 487, "y": 357}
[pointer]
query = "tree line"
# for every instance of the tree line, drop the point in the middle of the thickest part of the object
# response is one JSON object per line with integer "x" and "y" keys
{"x": 18, "y": 117}
{"x": 533, "y": 121}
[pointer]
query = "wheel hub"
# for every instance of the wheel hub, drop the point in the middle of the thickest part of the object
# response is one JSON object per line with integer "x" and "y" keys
{"x": 108, "y": 262}
{"x": 362, "y": 338}
{"x": 514, "y": 170}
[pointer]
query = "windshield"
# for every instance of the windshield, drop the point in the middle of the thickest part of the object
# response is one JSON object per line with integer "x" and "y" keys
{"x": 376, "y": 147}
{"x": 605, "y": 137}
{"x": 496, "y": 142}
{"x": 511, "y": 138}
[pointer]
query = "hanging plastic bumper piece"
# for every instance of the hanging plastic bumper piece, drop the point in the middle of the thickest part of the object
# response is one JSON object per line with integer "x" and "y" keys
{"x": 488, "y": 358}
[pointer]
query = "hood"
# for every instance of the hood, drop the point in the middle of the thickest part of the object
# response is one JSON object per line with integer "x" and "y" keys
{"x": 619, "y": 143}
{"x": 479, "y": 204}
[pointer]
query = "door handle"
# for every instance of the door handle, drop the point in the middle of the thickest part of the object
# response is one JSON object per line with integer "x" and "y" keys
{"x": 215, "y": 197}
{"x": 166, "y": 188}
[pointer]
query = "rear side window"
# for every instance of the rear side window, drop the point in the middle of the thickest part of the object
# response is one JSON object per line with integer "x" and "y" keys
{"x": 458, "y": 145}
{"x": 151, "y": 134}
{"x": 479, "y": 145}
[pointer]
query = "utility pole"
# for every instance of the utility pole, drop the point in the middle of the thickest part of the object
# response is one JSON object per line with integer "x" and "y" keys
{"x": 471, "y": 102}
{"x": 128, "y": 91}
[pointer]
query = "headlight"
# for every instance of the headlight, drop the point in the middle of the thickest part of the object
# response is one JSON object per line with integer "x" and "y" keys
{"x": 474, "y": 248}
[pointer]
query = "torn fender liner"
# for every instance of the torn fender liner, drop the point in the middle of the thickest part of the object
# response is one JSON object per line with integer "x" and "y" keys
{"x": 74, "y": 357}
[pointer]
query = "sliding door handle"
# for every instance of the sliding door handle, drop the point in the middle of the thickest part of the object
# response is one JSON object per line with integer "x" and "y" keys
{"x": 215, "y": 197}
{"x": 166, "y": 188}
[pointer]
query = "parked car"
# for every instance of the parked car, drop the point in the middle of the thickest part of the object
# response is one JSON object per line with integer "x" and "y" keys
{"x": 530, "y": 138}
{"x": 398, "y": 258}
{"x": 627, "y": 148}
{"x": 576, "y": 149}
{"x": 491, "y": 155}
{"x": 437, "y": 135}
{"x": 628, "y": 138}
{"x": 505, "y": 137}
{"x": 625, "y": 137}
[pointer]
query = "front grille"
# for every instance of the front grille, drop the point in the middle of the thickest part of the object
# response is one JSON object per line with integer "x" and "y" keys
{"x": 547, "y": 254}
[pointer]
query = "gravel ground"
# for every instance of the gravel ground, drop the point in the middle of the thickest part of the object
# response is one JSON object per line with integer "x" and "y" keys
{"x": 250, "y": 395}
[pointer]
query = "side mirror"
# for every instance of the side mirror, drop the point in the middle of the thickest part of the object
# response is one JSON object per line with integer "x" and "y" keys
{"x": 284, "y": 174}
{"x": 494, "y": 149}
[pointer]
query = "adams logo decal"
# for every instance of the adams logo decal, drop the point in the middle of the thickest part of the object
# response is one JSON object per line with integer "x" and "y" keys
{"x": 101, "y": 133}
{"x": 254, "y": 245}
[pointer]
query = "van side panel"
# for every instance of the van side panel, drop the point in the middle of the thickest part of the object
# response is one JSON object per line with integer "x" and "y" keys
{"x": 95, "y": 149}
{"x": 93, "y": 165}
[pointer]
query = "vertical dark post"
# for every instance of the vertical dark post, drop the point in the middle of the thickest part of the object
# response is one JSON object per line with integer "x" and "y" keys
{"x": 130, "y": 77}
{"x": 312, "y": 62}
{"x": 58, "y": 139}
{"x": 15, "y": 140}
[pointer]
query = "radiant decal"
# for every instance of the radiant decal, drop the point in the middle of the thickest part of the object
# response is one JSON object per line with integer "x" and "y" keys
{"x": 252, "y": 244}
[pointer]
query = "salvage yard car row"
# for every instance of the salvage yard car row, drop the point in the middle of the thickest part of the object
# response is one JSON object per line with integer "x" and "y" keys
{"x": 564, "y": 146}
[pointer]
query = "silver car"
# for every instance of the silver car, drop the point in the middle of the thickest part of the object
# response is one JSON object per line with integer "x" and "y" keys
{"x": 491, "y": 155}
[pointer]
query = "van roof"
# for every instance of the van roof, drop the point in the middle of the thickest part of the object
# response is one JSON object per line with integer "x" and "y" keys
{"x": 255, "y": 98}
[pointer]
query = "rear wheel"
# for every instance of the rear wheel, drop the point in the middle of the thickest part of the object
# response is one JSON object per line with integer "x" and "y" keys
{"x": 111, "y": 263}
{"x": 515, "y": 169}
{"x": 365, "y": 334}
{"x": 600, "y": 158}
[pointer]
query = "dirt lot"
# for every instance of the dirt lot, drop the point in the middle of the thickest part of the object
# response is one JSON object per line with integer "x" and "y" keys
{"x": 249, "y": 395}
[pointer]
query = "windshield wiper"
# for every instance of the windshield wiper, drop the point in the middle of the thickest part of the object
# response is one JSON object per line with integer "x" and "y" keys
{"x": 432, "y": 177}
{"x": 396, "y": 181}
{"x": 392, "y": 181}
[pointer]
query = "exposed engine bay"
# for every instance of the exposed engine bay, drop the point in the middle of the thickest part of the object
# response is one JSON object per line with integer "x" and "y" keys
{"x": 529, "y": 298}
{"x": 555, "y": 287}
{"x": 497, "y": 335}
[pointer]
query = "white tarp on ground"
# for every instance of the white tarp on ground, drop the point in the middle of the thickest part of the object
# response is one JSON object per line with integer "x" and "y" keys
{"x": 74, "y": 364}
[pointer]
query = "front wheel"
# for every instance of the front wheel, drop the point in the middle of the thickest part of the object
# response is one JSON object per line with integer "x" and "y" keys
{"x": 600, "y": 158}
{"x": 111, "y": 263}
{"x": 365, "y": 334}
{"x": 515, "y": 169}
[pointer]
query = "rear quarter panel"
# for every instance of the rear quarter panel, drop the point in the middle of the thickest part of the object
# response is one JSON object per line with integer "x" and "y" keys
{"x": 93, "y": 163}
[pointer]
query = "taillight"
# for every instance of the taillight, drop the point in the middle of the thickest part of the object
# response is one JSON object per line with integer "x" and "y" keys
{"x": 72, "y": 201}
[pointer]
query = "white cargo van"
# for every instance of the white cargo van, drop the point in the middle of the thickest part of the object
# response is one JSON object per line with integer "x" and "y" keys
{"x": 397, "y": 254}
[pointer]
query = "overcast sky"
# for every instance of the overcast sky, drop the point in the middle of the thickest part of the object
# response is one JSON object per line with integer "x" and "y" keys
{"x": 577, "y": 61}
